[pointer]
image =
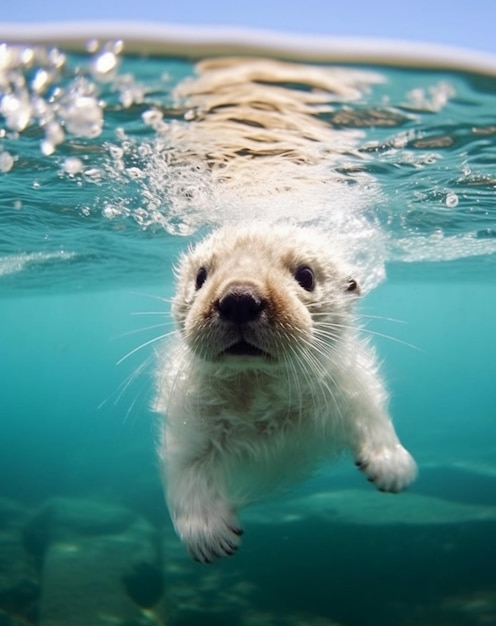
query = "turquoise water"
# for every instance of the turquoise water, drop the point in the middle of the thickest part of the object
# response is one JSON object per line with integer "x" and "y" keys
{"x": 86, "y": 254}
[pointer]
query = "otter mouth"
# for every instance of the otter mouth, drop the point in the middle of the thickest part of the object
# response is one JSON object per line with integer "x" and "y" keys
{"x": 243, "y": 348}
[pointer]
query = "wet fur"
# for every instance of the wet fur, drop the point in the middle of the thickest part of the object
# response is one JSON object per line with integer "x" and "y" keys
{"x": 238, "y": 427}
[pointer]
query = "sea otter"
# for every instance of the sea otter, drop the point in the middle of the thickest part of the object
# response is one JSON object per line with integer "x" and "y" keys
{"x": 266, "y": 376}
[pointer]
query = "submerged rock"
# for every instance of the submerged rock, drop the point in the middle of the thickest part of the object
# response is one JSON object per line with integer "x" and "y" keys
{"x": 9, "y": 620}
{"x": 19, "y": 589}
{"x": 145, "y": 584}
{"x": 63, "y": 518}
{"x": 100, "y": 563}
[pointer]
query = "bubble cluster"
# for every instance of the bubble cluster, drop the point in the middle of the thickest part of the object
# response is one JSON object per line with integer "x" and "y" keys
{"x": 35, "y": 92}
{"x": 81, "y": 114}
{"x": 432, "y": 99}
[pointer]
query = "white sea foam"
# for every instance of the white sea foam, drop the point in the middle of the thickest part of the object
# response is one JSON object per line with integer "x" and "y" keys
{"x": 15, "y": 263}
{"x": 440, "y": 247}
{"x": 253, "y": 146}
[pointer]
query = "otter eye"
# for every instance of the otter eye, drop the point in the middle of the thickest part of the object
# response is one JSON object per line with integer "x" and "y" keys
{"x": 352, "y": 285}
{"x": 201, "y": 277}
{"x": 305, "y": 277}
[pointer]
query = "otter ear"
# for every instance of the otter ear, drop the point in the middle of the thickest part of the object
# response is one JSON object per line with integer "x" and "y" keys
{"x": 352, "y": 286}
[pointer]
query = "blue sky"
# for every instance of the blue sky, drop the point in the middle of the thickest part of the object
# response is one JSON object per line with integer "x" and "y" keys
{"x": 453, "y": 22}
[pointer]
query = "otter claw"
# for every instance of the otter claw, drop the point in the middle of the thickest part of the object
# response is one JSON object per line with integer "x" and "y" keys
{"x": 391, "y": 469}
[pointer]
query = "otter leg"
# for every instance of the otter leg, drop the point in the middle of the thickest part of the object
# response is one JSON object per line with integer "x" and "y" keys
{"x": 377, "y": 450}
{"x": 201, "y": 513}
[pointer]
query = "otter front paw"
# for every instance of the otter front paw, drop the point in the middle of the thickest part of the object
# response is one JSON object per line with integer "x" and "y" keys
{"x": 208, "y": 536}
{"x": 390, "y": 469}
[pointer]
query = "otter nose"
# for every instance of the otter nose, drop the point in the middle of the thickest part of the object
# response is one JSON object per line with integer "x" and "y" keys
{"x": 240, "y": 305}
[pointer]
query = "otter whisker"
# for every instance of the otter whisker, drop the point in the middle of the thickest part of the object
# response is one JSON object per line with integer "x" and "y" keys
{"x": 318, "y": 316}
{"x": 137, "y": 372}
{"x": 374, "y": 333}
{"x": 143, "y": 329}
{"x": 124, "y": 385}
{"x": 297, "y": 372}
{"x": 292, "y": 380}
{"x": 162, "y": 313}
{"x": 321, "y": 374}
{"x": 382, "y": 318}
{"x": 143, "y": 345}
{"x": 152, "y": 296}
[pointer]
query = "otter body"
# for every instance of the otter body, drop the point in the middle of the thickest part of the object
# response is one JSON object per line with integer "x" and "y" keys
{"x": 267, "y": 376}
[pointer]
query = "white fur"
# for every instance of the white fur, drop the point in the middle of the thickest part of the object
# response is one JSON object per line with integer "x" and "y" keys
{"x": 237, "y": 427}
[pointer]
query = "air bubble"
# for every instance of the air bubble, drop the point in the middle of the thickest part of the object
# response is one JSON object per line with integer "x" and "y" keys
{"x": 451, "y": 200}
{"x": 120, "y": 133}
{"x": 27, "y": 56}
{"x": 42, "y": 110}
{"x": 17, "y": 111}
{"x": 116, "y": 46}
{"x": 141, "y": 217}
{"x": 116, "y": 152}
{"x": 5, "y": 56}
{"x": 54, "y": 133}
{"x": 72, "y": 166}
{"x": 110, "y": 212}
{"x": 104, "y": 66}
{"x": 93, "y": 175}
{"x": 92, "y": 45}
{"x": 151, "y": 117}
{"x": 57, "y": 58}
{"x": 154, "y": 118}
{"x": 135, "y": 172}
{"x": 41, "y": 80}
{"x": 190, "y": 115}
{"x": 83, "y": 116}
{"x": 47, "y": 147}
{"x": 130, "y": 92}
{"x": 6, "y": 161}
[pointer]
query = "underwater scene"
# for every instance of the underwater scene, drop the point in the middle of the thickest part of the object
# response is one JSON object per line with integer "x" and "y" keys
{"x": 111, "y": 166}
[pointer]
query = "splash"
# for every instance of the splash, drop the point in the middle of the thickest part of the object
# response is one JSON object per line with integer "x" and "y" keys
{"x": 252, "y": 144}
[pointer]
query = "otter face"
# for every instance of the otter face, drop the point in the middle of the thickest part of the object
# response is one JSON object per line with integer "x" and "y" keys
{"x": 260, "y": 294}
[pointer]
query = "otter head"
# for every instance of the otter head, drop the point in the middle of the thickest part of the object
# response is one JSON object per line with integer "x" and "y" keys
{"x": 261, "y": 295}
